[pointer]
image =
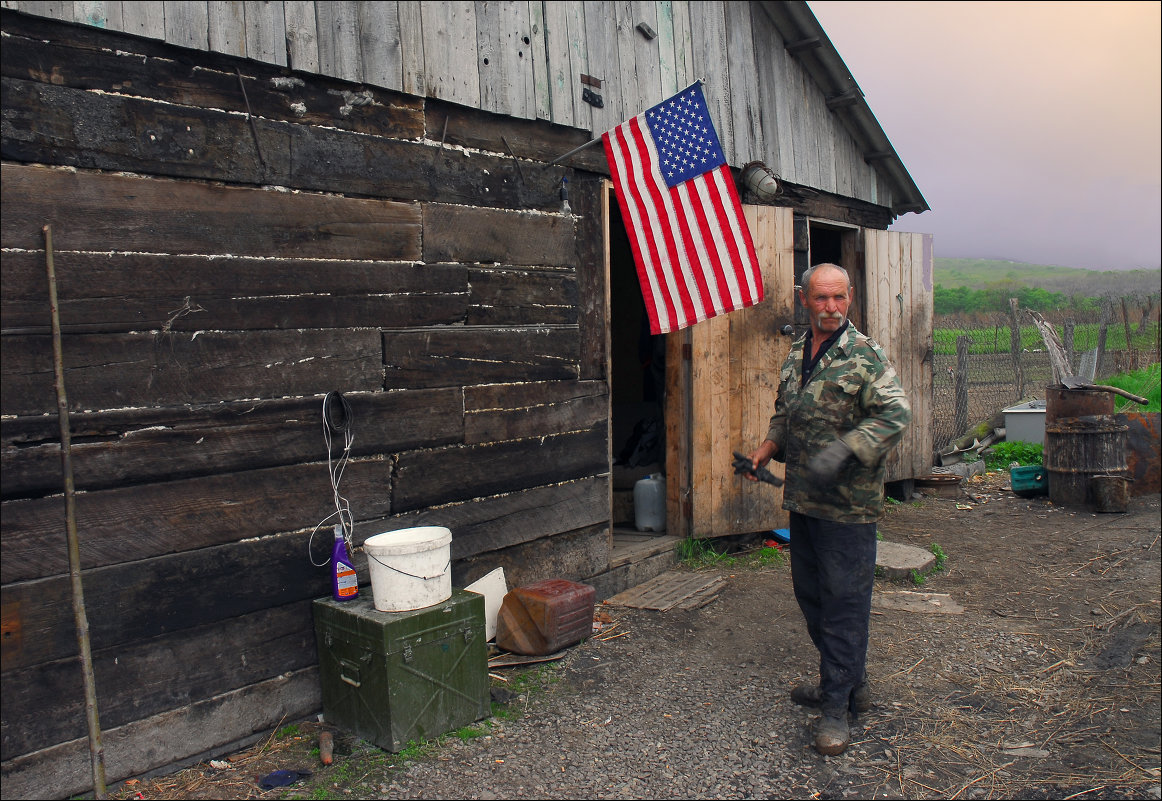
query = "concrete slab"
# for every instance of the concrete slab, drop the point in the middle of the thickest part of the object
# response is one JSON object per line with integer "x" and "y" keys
{"x": 897, "y": 561}
{"x": 927, "y": 602}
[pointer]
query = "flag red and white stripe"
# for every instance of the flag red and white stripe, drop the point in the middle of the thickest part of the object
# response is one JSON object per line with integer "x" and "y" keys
{"x": 694, "y": 254}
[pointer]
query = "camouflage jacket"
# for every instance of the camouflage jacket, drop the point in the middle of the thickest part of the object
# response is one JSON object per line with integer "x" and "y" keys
{"x": 854, "y": 394}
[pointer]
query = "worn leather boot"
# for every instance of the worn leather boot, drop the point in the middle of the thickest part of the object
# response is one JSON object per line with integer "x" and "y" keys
{"x": 810, "y": 695}
{"x": 832, "y": 735}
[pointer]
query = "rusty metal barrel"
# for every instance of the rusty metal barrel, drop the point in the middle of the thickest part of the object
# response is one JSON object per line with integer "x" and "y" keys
{"x": 1063, "y": 403}
{"x": 1079, "y": 448}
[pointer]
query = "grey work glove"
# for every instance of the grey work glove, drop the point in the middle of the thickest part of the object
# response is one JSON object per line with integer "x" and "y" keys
{"x": 825, "y": 465}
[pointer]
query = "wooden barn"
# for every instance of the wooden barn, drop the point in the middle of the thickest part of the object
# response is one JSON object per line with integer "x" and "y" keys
{"x": 252, "y": 205}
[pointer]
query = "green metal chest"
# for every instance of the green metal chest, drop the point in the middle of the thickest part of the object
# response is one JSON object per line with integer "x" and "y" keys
{"x": 396, "y": 677}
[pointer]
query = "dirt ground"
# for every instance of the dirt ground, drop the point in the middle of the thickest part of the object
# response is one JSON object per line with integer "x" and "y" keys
{"x": 1046, "y": 685}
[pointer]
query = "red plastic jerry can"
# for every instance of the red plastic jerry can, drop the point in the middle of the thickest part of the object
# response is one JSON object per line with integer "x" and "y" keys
{"x": 544, "y": 617}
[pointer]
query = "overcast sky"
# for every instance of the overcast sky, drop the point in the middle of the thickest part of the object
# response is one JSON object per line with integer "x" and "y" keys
{"x": 1031, "y": 128}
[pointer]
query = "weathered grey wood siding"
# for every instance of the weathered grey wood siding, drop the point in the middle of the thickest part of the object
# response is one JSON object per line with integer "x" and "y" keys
{"x": 525, "y": 59}
{"x": 215, "y": 281}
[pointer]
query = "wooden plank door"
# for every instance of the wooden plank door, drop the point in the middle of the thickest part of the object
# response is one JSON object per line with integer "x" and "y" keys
{"x": 721, "y": 397}
{"x": 898, "y": 315}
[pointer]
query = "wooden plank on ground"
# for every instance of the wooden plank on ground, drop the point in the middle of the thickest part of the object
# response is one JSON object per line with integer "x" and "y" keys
{"x": 514, "y": 660}
{"x": 704, "y": 596}
{"x": 666, "y": 590}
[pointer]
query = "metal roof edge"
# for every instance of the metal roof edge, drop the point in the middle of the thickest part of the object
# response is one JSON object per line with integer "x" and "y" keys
{"x": 804, "y": 36}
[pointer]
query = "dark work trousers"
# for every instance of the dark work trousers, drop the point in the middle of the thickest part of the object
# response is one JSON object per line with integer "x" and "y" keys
{"x": 833, "y": 568}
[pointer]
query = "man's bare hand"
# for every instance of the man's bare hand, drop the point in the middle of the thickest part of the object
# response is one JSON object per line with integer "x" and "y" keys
{"x": 753, "y": 468}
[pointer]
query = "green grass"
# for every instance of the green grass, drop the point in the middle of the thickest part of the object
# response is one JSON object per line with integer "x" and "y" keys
{"x": 471, "y": 732}
{"x": 767, "y": 556}
{"x": 996, "y": 339}
{"x": 698, "y": 553}
{"x": 941, "y": 557}
{"x": 534, "y": 680}
{"x": 1144, "y": 382}
{"x": 287, "y": 731}
{"x": 920, "y": 579}
{"x": 975, "y": 273}
{"x": 1002, "y": 454}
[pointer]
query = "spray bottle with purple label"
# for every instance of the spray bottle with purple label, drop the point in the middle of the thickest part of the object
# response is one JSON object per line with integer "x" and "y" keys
{"x": 344, "y": 582}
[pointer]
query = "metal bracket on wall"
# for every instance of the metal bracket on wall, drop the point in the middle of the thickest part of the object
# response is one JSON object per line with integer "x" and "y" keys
{"x": 592, "y": 98}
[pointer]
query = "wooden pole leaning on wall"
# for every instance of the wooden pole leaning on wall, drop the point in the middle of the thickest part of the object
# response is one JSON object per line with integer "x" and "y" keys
{"x": 81, "y": 619}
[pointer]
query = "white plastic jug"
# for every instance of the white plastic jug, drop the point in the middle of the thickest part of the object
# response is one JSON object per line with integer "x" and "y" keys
{"x": 649, "y": 503}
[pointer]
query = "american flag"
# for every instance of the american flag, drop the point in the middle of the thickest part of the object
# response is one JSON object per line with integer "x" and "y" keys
{"x": 693, "y": 250}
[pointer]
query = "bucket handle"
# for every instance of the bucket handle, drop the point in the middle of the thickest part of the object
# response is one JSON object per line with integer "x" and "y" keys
{"x": 411, "y": 575}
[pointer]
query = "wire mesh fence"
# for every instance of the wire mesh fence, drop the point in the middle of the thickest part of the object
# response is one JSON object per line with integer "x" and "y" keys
{"x": 984, "y": 363}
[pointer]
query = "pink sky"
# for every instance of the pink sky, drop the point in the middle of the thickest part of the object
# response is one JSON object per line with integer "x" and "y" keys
{"x": 1032, "y": 128}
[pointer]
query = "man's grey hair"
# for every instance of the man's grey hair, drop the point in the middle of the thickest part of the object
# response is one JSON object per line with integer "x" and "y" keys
{"x": 810, "y": 271}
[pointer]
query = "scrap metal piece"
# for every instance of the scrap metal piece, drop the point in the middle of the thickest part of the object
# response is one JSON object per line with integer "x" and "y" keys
{"x": 742, "y": 466}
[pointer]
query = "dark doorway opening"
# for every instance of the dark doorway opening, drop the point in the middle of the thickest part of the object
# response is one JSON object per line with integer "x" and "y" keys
{"x": 636, "y": 375}
{"x": 838, "y": 244}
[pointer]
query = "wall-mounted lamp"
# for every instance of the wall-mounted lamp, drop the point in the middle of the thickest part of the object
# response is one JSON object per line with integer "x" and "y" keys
{"x": 761, "y": 181}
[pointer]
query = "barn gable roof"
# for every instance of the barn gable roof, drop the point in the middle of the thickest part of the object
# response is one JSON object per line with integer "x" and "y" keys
{"x": 807, "y": 40}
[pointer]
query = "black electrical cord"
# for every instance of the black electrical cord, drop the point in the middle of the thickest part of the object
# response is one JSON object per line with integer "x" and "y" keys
{"x": 336, "y": 412}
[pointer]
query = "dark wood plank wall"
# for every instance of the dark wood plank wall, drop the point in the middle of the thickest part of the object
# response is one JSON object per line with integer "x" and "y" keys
{"x": 218, "y": 274}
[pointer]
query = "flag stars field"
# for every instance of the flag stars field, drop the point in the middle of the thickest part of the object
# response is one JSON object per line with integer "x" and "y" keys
{"x": 693, "y": 250}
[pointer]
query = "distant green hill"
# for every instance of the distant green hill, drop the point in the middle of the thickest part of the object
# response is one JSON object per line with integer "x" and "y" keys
{"x": 980, "y": 273}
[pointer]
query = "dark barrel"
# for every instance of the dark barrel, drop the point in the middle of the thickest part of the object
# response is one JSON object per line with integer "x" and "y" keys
{"x": 1079, "y": 448}
{"x": 1062, "y": 403}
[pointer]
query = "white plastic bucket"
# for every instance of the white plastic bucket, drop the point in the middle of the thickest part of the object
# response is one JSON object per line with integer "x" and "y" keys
{"x": 410, "y": 568}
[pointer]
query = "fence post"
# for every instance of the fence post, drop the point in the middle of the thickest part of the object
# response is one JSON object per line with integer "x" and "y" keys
{"x": 1068, "y": 343}
{"x": 1106, "y": 314}
{"x": 1015, "y": 348}
{"x": 1130, "y": 362}
{"x": 960, "y": 387}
